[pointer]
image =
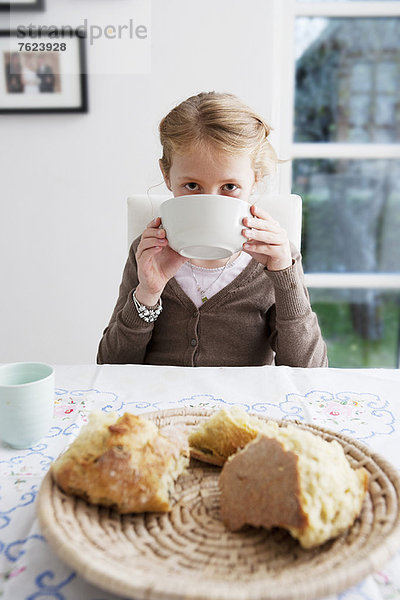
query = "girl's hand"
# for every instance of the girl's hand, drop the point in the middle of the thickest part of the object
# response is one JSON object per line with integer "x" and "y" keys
{"x": 156, "y": 262}
{"x": 267, "y": 241}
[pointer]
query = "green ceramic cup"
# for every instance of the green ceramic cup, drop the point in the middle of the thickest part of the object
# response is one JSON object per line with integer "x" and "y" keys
{"x": 26, "y": 403}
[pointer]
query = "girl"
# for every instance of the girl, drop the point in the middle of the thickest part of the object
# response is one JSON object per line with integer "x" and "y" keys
{"x": 247, "y": 310}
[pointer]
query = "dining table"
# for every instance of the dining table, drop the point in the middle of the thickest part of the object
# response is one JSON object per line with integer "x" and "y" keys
{"x": 363, "y": 404}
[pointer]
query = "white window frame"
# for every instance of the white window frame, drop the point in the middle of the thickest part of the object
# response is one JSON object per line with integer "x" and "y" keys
{"x": 282, "y": 118}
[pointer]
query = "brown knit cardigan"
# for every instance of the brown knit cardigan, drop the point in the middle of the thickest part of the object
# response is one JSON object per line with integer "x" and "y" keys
{"x": 259, "y": 316}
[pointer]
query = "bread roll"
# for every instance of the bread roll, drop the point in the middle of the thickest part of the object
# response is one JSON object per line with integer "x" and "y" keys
{"x": 125, "y": 463}
{"x": 292, "y": 479}
{"x": 224, "y": 433}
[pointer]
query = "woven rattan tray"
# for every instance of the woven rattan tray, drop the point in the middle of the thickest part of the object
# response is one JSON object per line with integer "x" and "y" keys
{"x": 188, "y": 553}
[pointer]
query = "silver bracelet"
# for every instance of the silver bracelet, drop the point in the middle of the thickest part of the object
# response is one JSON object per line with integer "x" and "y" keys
{"x": 147, "y": 314}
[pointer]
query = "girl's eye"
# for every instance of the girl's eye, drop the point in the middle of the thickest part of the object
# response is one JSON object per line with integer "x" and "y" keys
{"x": 231, "y": 187}
{"x": 192, "y": 185}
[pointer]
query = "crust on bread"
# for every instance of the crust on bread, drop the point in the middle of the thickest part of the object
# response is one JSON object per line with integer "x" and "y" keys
{"x": 227, "y": 431}
{"x": 206, "y": 457}
{"x": 124, "y": 463}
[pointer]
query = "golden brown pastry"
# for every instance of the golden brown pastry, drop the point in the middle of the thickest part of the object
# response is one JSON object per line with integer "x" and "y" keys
{"x": 292, "y": 479}
{"x": 125, "y": 463}
{"x": 224, "y": 433}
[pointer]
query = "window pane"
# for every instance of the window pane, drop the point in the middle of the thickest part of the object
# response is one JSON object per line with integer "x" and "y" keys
{"x": 361, "y": 327}
{"x": 347, "y": 80}
{"x": 351, "y": 214}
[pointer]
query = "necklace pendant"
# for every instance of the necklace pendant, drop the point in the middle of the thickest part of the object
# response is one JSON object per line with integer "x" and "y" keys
{"x": 204, "y": 299}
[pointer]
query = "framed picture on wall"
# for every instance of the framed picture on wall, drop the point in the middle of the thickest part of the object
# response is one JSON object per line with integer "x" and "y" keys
{"x": 22, "y": 5}
{"x": 43, "y": 73}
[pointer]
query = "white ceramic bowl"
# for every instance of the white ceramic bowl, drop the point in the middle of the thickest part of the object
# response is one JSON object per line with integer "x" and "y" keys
{"x": 204, "y": 226}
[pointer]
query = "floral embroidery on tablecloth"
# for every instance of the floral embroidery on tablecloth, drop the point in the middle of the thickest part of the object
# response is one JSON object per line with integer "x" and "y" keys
{"x": 14, "y": 549}
{"x": 360, "y": 415}
{"x": 206, "y": 401}
{"x": 47, "y": 586}
{"x": 24, "y": 500}
{"x": 29, "y": 462}
{"x": 77, "y": 404}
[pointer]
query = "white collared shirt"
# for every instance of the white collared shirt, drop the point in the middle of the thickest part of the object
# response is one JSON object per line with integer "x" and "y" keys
{"x": 209, "y": 279}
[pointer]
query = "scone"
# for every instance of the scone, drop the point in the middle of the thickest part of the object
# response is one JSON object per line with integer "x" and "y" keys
{"x": 224, "y": 433}
{"x": 293, "y": 479}
{"x": 125, "y": 463}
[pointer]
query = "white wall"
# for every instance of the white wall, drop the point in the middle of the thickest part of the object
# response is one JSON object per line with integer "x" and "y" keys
{"x": 65, "y": 178}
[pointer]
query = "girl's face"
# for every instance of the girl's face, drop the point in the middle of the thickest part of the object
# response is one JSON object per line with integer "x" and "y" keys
{"x": 210, "y": 171}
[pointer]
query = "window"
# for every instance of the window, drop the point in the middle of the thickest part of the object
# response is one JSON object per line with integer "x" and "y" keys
{"x": 338, "y": 113}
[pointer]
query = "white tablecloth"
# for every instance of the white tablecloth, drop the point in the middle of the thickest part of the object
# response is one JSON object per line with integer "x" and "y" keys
{"x": 362, "y": 403}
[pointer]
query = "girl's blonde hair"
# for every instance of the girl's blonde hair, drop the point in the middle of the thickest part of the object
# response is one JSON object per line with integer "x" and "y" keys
{"x": 222, "y": 121}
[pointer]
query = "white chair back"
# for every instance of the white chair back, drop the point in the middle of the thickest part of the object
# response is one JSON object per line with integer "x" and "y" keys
{"x": 284, "y": 208}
